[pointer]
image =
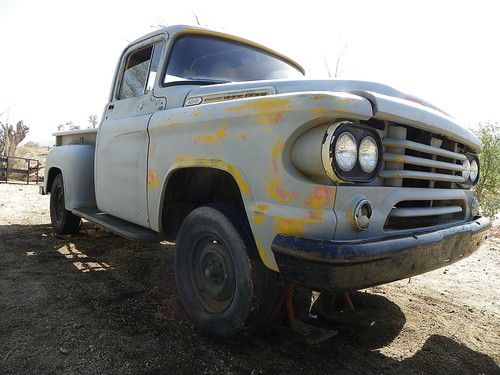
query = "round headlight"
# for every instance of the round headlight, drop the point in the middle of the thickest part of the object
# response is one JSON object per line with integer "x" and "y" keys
{"x": 368, "y": 154}
{"x": 346, "y": 151}
{"x": 466, "y": 172}
{"x": 474, "y": 170}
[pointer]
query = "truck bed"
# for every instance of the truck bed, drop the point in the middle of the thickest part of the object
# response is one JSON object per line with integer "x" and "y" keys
{"x": 76, "y": 137}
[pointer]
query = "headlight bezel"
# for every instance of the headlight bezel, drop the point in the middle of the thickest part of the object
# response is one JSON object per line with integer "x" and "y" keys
{"x": 475, "y": 159}
{"x": 469, "y": 183}
{"x": 330, "y": 164}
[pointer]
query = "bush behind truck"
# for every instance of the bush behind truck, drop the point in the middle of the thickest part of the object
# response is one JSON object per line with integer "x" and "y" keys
{"x": 223, "y": 146}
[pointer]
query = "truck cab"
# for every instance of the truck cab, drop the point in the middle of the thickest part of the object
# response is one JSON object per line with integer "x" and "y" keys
{"x": 259, "y": 175}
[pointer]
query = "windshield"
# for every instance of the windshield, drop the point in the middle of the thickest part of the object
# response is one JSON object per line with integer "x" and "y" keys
{"x": 211, "y": 59}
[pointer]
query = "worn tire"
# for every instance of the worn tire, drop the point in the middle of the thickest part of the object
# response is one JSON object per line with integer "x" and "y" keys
{"x": 63, "y": 221}
{"x": 223, "y": 285}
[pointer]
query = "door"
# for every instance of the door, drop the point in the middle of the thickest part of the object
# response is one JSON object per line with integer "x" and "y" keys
{"x": 123, "y": 141}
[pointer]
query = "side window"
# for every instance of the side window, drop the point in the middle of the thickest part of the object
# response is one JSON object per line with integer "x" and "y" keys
{"x": 140, "y": 72}
{"x": 155, "y": 62}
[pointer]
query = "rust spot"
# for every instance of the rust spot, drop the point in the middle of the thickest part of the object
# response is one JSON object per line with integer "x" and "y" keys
{"x": 153, "y": 178}
{"x": 320, "y": 197}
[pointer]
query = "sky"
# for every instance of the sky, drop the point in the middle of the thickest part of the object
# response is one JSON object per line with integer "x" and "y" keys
{"x": 57, "y": 58}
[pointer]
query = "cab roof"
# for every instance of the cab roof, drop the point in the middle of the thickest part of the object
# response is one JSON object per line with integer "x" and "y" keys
{"x": 175, "y": 30}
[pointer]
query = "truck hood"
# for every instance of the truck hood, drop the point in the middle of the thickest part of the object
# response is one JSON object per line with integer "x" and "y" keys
{"x": 387, "y": 102}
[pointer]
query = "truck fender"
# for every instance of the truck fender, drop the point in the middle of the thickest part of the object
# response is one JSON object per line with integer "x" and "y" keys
{"x": 76, "y": 163}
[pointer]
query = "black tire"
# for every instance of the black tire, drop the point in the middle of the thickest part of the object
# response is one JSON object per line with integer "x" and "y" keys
{"x": 223, "y": 285}
{"x": 63, "y": 221}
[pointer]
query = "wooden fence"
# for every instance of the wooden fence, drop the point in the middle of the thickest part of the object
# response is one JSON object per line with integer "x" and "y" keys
{"x": 13, "y": 165}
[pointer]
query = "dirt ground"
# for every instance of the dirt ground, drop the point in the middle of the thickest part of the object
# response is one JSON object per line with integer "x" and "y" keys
{"x": 97, "y": 304}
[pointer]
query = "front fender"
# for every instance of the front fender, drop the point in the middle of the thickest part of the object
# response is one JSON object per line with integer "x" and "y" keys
{"x": 76, "y": 163}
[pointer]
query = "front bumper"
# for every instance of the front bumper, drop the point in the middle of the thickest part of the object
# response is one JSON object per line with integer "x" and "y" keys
{"x": 328, "y": 265}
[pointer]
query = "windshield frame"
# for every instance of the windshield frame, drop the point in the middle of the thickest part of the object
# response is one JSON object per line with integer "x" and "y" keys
{"x": 226, "y": 39}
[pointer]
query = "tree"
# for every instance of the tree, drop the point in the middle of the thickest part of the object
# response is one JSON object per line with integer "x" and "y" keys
{"x": 67, "y": 126}
{"x": 93, "y": 120}
{"x": 488, "y": 187}
{"x": 10, "y": 137}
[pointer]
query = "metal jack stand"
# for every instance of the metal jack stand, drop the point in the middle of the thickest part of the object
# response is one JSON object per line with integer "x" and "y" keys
{"x": 310, "y": 334}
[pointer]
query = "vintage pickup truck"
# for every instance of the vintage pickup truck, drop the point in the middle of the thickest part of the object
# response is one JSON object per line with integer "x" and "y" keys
{"x": 259, "y": 174}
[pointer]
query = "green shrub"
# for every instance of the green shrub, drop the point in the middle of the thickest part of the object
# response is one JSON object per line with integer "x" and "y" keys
{"x": 488, "y": 187}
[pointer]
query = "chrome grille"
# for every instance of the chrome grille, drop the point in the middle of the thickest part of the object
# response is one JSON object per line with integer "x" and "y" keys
{"x": 415, "y": 158}
{"x": 420, "y": 159}
{"x": 424, "y": 213}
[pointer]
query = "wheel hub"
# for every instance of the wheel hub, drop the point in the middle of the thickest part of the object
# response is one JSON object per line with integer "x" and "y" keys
{"x": 213, "y": 275}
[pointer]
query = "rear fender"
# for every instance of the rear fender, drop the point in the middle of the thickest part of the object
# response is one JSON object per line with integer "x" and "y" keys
{"x": 76, "y": 163}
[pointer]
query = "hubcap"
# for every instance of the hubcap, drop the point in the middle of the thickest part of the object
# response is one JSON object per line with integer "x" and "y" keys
{"x": 212, "y": 274}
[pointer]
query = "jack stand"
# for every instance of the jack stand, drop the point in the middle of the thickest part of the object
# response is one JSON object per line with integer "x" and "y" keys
{"x": 332, "y": 298}
{"x": 310, "y": 334}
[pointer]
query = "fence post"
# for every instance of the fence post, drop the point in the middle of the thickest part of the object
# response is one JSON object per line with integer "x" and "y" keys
{"x": 7, "y": 171}
{"x": 28, "y": 173}
{"x": 37, "y": 168}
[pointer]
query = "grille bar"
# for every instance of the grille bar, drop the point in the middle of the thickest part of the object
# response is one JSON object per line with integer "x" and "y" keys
{"x": 392, "y": 142}
{"x": 418, "y": 175}
{"x": 424, "y": 211}
{"x": 405, "y": 159}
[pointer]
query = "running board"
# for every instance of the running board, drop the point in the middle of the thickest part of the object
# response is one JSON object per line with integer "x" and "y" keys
{"x": 117, "y": 226}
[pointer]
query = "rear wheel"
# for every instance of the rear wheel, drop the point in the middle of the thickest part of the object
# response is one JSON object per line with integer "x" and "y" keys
{"x": 63, "y": 221}
{"x": 223, "y": 284}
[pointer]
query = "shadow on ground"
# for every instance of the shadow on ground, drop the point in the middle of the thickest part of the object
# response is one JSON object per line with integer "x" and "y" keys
{"x": 95, "y": 303}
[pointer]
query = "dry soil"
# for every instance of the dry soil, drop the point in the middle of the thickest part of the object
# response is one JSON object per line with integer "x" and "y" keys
{"x": 97, "y": 304}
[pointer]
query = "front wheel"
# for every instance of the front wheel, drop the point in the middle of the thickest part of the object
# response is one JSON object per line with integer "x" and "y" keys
{"x": 223, "y": 284}
{"x": 63, "y": 221}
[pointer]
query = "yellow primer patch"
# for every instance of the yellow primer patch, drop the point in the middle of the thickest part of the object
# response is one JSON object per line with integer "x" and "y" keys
{"x": 276, "y": 150}
{"x": 264, "y": 256}
{"x": 196, "y": 113}
{"x": 295, "y": 226}
{"x": 320, "y": 110}
{"x": 220, "y": 134}
{"x": 184, "y": 161}
{"x": 271, "y": 119}
{"x": 153, "y": 178}
{"x": 289, "y": 226}
{"x": 263, "y": 106}
{"x": 259, "y": 213}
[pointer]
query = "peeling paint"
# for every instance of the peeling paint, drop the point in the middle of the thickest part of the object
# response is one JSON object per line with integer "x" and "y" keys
{"x": 220, "y": 134}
